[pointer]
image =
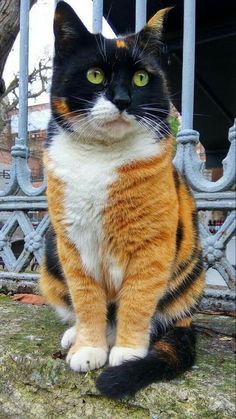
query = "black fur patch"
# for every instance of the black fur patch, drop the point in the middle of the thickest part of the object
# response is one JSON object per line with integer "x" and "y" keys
{"x": 179, "y": 235}
{"x": 169, "y": 297}
{"x": 67, "y": 299}
{"x": 131, "y": 376}
{"x": 51, "y": 131}
{"x": 111, "y": 313}
{"x": 158, "y": 329}
{"x": 52, "y": 261}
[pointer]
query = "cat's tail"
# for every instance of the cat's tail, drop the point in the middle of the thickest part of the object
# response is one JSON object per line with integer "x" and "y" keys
{"x": 168, "y": 357}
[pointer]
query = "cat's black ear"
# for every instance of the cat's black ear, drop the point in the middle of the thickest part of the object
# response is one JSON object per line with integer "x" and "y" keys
{"x": 68, "y": 29}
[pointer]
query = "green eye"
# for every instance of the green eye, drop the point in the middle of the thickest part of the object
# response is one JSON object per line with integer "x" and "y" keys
{"x": 141, "y": 78}
{"x": 95, "y": 75}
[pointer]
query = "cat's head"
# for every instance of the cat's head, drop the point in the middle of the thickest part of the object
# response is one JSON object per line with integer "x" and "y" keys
{"x": 108, "y": 88}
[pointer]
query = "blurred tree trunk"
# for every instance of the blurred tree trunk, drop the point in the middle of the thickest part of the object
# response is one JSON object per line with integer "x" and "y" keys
{"x": 9, "y": 28}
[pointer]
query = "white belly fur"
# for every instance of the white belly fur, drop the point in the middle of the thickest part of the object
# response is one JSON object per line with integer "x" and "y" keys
{"x": 87, "y": 172}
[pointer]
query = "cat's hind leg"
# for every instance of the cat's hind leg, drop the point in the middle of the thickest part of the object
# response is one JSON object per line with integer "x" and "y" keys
{"x": 56, "y": 292}
{"x": 52, "y": 280}
{"x": 54, "y": 288}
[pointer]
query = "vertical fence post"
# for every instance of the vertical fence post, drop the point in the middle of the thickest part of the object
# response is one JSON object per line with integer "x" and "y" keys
{"x": 140, "y": 14}
{"x": 97, "y": 16}
{"x": 187, "y": 136}
{"x": 19, "y": 150}
{"x": 23, "y": 82}
{"x": 188, "y": 64}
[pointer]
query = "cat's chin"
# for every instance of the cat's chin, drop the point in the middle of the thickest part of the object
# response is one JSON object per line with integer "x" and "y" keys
{"x": 114, "y": 132}
{"x": 118, "y": 123}
{"x": 108, "y": 130}
{"x": 116, "y": 129}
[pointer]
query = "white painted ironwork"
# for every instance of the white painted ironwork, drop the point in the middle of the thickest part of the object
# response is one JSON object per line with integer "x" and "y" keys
{"x": 209, "y": 195}
{"x": 97, "y": 16}
{"x": 140, "y": 14}
{"x": 20, "y": 196}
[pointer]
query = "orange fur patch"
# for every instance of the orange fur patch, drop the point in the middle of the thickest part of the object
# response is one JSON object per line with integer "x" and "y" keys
{"x": 186, "y": 322}
{"x": 55, "y": 196}
{"x": 167, "y": 349}
{"x": 156, "y": 21}
{"x": 60, "y": 105}
{"x": 120, "y": 43}
{"x": 141, "y": 224}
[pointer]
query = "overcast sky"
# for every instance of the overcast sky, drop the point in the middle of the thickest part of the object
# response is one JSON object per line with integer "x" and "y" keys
{"x": 41, "y": 34}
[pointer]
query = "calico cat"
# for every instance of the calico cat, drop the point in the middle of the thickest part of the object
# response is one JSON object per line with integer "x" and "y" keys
{"x": 123, "y": 259}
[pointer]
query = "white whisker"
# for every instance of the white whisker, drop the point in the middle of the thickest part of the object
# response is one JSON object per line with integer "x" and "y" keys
{"x": 80, "y": 99}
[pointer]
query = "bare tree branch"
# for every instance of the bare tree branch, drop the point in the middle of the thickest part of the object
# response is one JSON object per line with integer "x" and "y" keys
{"x": 9, "y": 28}
{"x": 38, "y": 82}
{"x": 39, "y": 74}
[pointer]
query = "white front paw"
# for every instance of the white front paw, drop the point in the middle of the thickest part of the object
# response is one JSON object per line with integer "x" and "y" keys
{"x": 87, "y": 358}
{"x": 119, "y": 354}
{"x": 68, "y": 338}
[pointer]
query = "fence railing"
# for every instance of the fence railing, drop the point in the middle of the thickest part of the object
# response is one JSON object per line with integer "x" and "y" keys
{"x": 20, "y": 198}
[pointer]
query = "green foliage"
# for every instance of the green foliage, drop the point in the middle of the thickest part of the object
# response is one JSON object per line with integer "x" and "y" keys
{"x": 174, "y": 127}
{"x": 174, "y": 124}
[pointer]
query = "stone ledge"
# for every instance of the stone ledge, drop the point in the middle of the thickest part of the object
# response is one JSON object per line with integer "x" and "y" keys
{"x": 34, "y": 385}
{"x": 13, "y": 283}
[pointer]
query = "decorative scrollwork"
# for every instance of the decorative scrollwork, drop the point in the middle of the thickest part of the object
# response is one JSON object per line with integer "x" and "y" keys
{"x": 214, "y": 249}
{"x": 187, "y": 162}
{"x": 33, "y": 241}
{"x": 20, "y": 174}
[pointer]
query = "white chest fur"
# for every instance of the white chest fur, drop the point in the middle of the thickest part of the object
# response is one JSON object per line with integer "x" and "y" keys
{"x": 87, "y": 172}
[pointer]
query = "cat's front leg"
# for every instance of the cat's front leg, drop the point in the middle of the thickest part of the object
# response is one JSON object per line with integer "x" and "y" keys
{"x": 145, "y": 283}
{"x": 133, "y": 323}
{"x": 89, "y": 350}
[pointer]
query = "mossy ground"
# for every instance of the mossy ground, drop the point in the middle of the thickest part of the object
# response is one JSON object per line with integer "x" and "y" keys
{"x": 35, "y": 385}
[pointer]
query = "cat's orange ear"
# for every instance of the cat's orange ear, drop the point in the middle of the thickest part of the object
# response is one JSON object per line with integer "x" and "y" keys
{"x": 157, "y": 21}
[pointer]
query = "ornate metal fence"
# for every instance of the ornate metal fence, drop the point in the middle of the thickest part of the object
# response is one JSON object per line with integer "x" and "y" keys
{"x": 21, "y": 197}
